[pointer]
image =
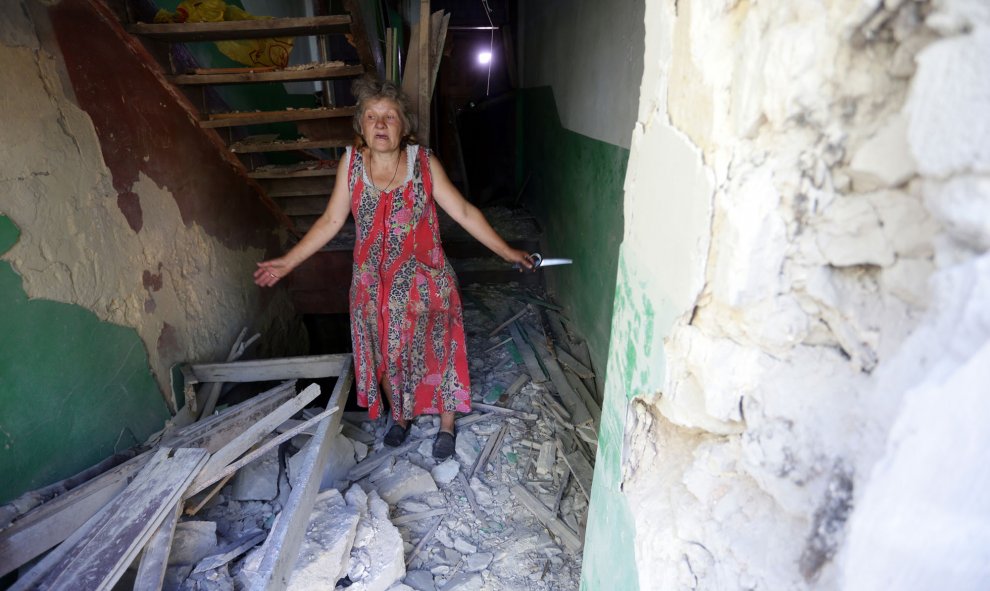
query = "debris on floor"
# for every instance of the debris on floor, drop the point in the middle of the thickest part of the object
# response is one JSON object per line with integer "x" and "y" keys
{"x": 274, "y": 489}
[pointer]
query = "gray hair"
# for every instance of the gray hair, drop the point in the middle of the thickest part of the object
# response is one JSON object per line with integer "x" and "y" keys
{"x": 367, "y": 89}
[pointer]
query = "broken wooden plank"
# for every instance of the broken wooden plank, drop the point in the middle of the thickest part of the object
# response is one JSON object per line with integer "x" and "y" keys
{"x": 231, "y": 551}
{"x": 560, "y": 493}
{"x": 583, "y": 471}
{"x": 469, "y": 493}
{"x": 497, "y": 345}
{"x": 154, "y": 559}
{"x": 589, "y": 402}
{"x": 214, "y": 469}
{"x": 572, "y": 402}
{"x": 514, "y": 317}
{"x": 493, "y": 441}
{"x": 96, "y": 556}
{"x": 243, "y": 29}
{"x": 557, "y": 527}
{"x": 574, "y": 365}
{"x": 490, "y": 408}
{"x": 547, "y": 457}
{"x": 265, "y": 370}
{"x": 414, "y": 517}
{"x": 528, "y": 355}
{"x": 516, "y": 386}
{"x": 424, "y": 540}
{"x": 281, "y": 549}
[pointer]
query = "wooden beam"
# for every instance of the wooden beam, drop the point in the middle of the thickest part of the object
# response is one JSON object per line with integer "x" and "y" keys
{"x": 96, "y": 556}
{"x": 529, "y": 357}
{"x": 369, "y": 54}
{"x": 263, "y": 370}
{"x": 557, "y": 527}
{"x": 154, "y": 559}
{"x": 281, "y": 548}
{"x": 582, "y": 470}
{"x": 243, "y": 29}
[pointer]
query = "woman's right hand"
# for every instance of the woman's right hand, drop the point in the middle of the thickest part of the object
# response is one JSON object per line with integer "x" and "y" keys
{"x": 270, "y": 272}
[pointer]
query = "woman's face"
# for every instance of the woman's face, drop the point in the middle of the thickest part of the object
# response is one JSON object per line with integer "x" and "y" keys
{"x": 381, "y": 125}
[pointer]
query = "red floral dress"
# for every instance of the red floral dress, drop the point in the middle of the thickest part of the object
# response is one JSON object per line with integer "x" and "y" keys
{"x": 406, "y": 322}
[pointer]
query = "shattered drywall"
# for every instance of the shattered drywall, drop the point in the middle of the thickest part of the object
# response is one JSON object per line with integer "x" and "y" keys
{"x": 187, "y": 291}
{"x": 831, "y": 317}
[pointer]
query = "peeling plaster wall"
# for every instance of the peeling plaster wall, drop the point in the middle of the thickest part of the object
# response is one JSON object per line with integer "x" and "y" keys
{"x": 806, "y": 237}
{"x": 132, "y": 218}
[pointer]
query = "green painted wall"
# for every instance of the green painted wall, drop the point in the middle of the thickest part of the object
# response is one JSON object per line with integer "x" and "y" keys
{"x": 73, "y": 389}
{"x": 575, "y": 189}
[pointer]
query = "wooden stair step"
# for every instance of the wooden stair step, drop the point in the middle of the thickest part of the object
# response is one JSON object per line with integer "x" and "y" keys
{"x": 317, "y": 71}
{"x": 304, "y": 206}
{"x": 317, "y": 168}
{"x": 259, "y": 118}
{"x": 301, "y": 187}
{"x": 248, "y": 147}
{"x": 246, "y": 29}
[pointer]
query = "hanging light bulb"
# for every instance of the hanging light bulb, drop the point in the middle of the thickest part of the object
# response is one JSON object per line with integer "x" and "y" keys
{"x": 484, "y": 57}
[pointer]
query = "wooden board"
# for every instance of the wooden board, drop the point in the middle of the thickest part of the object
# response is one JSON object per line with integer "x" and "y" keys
{"x": 244, "y": 29}
{"x": 321, "y": 72}
{"x": 112, "y": 539}
{"x": 52, "y": 522}
{"x": 217, "y": 120}
{"x": 154, "y": 559}
{"x": 263, "y": 370}
{"x": 557, "y": 527}
{"x": 281, "y": 548}
{"x": 529, "y": 357}
{"x": 582, "y": 470}
{"x": 580, "y": 415}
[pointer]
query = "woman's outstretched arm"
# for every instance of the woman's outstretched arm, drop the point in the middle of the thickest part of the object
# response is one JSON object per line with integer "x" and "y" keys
{"x": 470, "y": 217}
{"x": 326, "y": 227}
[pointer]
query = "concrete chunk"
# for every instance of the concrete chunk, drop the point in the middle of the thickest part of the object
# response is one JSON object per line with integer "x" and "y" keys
{"x": 404, "y": 480}
{"x": 257, "y": 481}
{"x": 326, "y": 550}
{"x": 377, "y": 559}
{"x": 192, "y": 542}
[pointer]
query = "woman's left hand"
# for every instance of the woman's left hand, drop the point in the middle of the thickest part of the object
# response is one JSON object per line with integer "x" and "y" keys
{"x": 520, "y": 258}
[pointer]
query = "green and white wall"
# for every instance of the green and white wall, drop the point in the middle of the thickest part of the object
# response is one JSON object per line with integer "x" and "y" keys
{"x": 799, "y": 348}
{"x": 127, "y": 243}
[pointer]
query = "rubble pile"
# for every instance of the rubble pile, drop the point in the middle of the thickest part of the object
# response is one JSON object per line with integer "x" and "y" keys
{"x": 507, "y": 511}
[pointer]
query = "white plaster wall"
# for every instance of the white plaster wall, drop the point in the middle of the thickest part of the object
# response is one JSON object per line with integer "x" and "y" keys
{"x": 76, "y": 246}
{"x": 821, "y": 420}
{"x": 590, "y": 52}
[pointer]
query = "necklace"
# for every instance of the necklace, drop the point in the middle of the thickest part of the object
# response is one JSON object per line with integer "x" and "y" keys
{"x": 394, "y": 172}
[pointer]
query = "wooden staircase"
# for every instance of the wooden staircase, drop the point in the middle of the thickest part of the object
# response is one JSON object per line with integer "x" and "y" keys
{"x": 301, "y": 189}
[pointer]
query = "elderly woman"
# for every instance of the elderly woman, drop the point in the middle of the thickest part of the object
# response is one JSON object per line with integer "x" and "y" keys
{"x": 406, "y": 321}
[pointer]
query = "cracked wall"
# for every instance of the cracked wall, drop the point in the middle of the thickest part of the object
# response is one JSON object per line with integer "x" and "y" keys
{"x": 806, "y": 232}
{"x": 124, "y": 211}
